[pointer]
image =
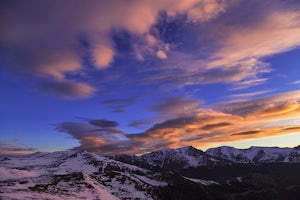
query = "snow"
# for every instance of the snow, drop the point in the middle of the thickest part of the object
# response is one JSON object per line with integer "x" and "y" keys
{"x": 76, "y": 164}
{"x": 240, "y": 179}
{"x": 254, "y": 154}
{"x": 15, "y": 173}
{"x": 102, "y": 191}
{"x": 151, "y": 181}
{"x": 57, "y": 176}
{"x": 203, "y": 182}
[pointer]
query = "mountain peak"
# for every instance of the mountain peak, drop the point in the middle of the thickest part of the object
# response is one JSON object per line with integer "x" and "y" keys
{"x": 297, "y": 147}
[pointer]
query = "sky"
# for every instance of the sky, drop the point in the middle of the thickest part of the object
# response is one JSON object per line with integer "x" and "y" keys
{"x": 131, "y": 76}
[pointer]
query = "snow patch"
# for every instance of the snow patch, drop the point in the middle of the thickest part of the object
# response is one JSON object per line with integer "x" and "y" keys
{"x": 15, "y": 173}
{"x": 203, "y": 182}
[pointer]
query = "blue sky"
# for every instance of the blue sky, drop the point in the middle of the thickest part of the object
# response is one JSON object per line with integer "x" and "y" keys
{"x": 137, "y": 76}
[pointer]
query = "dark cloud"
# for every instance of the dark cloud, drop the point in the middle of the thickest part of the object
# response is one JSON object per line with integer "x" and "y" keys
{"x": 141, "y": 123}
{"x": 174, "y": 123}
{"x": 291, "y": 128}
{"x": 176, "y": 106}
{"x": 246, "y": 133}
{"x": 120, "y": 105}
{"x": 11, "y": 149}
{"x": 109, "y": 130}
{"x": 200, "y": 136}
{"x": 80, "y": 130}
{"x": 97, "y": 140}
{"x": 104, "y": 123}
{"x": 67, "y": 89}
{"x": 213, "y": 126}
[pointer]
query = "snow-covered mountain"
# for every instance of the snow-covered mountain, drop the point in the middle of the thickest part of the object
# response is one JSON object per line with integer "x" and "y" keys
{"x": 173, "y": 159}
{"x": 256, "y": 154}
{"x": 190, "y": 157}
{"x": 162, "y": 174}
{"x": 76, "y": 175}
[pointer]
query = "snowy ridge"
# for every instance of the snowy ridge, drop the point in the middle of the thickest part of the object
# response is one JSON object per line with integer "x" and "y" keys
{"x": 184, "y": 157}
{"x": 256, "y": 154}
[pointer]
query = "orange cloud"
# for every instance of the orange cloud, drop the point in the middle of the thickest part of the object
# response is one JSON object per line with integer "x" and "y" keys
{"x": 200, "y": 127}
{"x": 103, "y": 56}
{"x": 208, "y": 127}
{"x": 161, "y": 54}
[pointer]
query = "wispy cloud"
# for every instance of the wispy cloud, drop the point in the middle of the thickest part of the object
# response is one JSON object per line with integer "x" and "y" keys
{"x": 295, "y": 82}
{"x": 176, "y": 106}
{"x": 236, "y": 55}
{"x": 67, "y": 89}
{"x": 120, "y": 104}
{"x": 249, "y": 94}
{"x": 11, "y": 149}
{"x": 104, "y": 123}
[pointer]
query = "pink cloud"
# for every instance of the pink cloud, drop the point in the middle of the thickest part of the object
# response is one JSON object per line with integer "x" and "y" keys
{"x": 67, "y": 89}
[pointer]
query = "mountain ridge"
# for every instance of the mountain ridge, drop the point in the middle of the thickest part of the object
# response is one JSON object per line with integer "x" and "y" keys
{"x": 164, "y": 174}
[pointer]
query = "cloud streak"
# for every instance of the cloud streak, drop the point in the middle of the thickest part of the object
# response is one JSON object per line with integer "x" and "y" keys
{"x": 67, "y": 89}
{"x": 222, "y": 122}
{"x": 11, "y": 149}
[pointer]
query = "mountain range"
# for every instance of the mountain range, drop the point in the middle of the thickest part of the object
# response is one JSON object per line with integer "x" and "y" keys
{"x": 183, "y": 173}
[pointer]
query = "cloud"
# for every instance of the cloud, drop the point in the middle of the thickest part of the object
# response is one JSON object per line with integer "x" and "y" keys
{"x": 67, "y": 89}
{"x": 11, "y": 149}
{"x": 119, "y": 105}
{"x": 269, "y": 105}
{"x": 213, "y": 126}
{"x": 103, "y": 56}
{"x": 41, "y": 39}
{"x": 141, "y": 123}
{"x": 245, "y": 133}
{"x": 247, "y": 95}
{"x": 251, "y": 32}
{"x": 291, "y": 128}
{"x": 223, "y": 122}
{"x": 103, "y": 123}
{"x": 183, "y": 70}
{"x": 176, "y": 106}
{"x": 161, "y": 54}
{"x": 245, "y": 46}
{"x": 276, "y": 33}
{"x": 92, "y": 137}
{"x": 295, "y": 82}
